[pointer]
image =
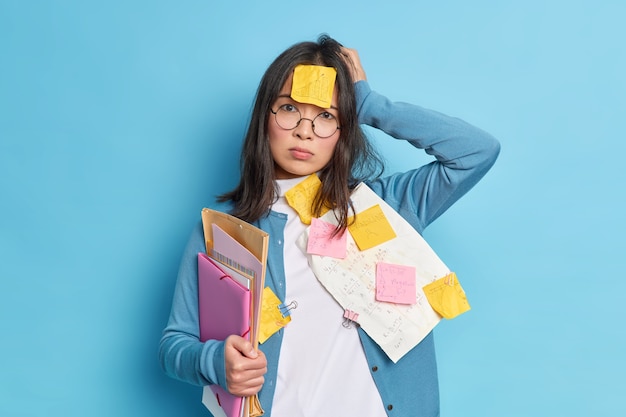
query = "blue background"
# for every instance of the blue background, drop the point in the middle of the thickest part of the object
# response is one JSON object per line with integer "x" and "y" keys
{"x": 120, "y": 120}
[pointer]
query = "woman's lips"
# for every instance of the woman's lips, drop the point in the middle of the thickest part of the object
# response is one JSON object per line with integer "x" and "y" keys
{"x": 300, "y": 153}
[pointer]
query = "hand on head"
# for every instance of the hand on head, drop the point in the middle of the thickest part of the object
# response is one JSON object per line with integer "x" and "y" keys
{"x": 351, "y": 57}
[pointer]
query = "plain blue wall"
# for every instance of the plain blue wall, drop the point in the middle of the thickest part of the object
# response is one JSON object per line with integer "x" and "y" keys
{"x": 120, "y": 120}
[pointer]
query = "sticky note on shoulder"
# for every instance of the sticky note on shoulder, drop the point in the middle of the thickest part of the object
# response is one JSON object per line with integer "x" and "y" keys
{"x": 370, "y": 228}
{"x": 300, "y": 197}
{"x": 313, "y": 84}
{"x": 446, "y": 296}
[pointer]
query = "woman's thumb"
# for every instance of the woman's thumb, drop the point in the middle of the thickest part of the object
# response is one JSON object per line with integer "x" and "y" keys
{"x": 243, "y": 346}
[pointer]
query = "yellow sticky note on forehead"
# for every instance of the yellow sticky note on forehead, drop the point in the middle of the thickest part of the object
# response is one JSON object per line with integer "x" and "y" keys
{"x": 313, "y": 84}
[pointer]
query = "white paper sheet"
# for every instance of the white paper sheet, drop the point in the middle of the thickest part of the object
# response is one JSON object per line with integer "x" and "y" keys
{"x": 351, "y": 281}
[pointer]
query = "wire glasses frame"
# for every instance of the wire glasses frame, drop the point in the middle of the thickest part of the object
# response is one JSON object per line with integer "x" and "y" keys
{"x": 288, "y": 117}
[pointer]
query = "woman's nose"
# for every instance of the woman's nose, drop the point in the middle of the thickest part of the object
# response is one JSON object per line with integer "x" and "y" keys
{"x": 304, "y": 129}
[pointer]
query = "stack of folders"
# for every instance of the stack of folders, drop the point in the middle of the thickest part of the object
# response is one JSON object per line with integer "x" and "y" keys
{"x": 231, "y": 277}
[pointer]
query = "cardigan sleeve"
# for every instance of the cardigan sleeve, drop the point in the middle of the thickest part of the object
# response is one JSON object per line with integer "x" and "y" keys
{"x": 463, "y": 155}
{"x": 181, "y": 353}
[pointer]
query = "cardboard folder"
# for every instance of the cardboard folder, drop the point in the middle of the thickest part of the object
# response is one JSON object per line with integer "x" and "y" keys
{"x": 235, "y": 244}
{"x": 245, "y": 237}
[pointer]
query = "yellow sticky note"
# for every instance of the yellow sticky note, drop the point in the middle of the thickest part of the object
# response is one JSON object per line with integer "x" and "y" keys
{"x": 300, "y": 197}
{"x": 371, "y": 228}
{"x": 446, "y": 296}
{"x": 272, "y": 319}
{"x": 313, "y": 84}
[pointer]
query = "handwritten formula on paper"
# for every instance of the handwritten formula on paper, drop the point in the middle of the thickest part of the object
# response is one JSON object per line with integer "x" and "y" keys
{"x": 397, "y": 328}
{"x": 395, "y": 283}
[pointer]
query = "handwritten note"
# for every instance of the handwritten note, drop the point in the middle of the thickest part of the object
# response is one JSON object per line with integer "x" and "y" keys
{"x": 371, "y": 228}
{"x": 446, "y": 296}
{"x": 313, "y": 84}
{"x": 395, "y": 283}
{"x": 322, "y": 242}
{"x": 301, "y": 196}
{"x": 272, "y": 319}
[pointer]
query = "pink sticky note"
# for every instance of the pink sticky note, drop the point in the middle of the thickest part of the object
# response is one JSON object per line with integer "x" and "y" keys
{"x": 321, "y": 241}
{"x": 395, "y": 283}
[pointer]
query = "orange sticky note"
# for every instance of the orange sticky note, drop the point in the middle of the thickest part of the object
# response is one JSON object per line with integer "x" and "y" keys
{"x": 446, "y": 296}
{"x": 313, "y": 84}
{"x": 371, "y": 228}
{"x": 272, "y": 319}
{"x": 321, "y": 242}
{"x": 395, "y": 283}
{"x": 301, "y": 196}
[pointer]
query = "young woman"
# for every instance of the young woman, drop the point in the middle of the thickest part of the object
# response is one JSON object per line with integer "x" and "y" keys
{"x": 315, "y": 366}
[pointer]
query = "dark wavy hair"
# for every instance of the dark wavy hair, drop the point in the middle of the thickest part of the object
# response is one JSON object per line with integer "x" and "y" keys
{"x": 354, "y": 158}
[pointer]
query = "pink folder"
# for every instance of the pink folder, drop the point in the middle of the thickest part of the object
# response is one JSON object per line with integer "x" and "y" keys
{"x": 224, "y": 310}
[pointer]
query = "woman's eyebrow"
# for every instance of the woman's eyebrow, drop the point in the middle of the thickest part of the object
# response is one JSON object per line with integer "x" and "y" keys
{"x": 290, "y": 98}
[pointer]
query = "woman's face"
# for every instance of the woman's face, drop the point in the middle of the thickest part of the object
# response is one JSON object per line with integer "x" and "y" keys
{"x": 300, "y": 151}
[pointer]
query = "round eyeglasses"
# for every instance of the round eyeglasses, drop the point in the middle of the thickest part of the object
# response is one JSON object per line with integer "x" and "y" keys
{"x": 288, "y": 117}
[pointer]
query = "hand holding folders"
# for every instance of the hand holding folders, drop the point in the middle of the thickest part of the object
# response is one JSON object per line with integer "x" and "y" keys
{"x": 231, "y": 278}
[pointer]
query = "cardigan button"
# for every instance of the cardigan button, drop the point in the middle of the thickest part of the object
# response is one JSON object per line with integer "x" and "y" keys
{"x": 374, "y": 368}
{"x": 390, "y": 407}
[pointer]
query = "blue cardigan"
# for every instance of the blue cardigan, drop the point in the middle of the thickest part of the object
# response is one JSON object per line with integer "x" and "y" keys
{"x": 463, "y": 154}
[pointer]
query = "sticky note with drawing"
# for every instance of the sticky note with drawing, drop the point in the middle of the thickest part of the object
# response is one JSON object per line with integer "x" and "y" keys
{"x": 313, "y": 84}
{"x": 371, "y": 228}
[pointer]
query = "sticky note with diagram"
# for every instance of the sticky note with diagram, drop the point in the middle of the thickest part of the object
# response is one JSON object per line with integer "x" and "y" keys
{"x": 313, "y": 84}
{"x": 300, "y": 197}
{"x": 397, "y": 328}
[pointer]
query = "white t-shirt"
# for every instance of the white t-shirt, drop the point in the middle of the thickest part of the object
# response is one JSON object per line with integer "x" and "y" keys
{"x": 322, "y": 370}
